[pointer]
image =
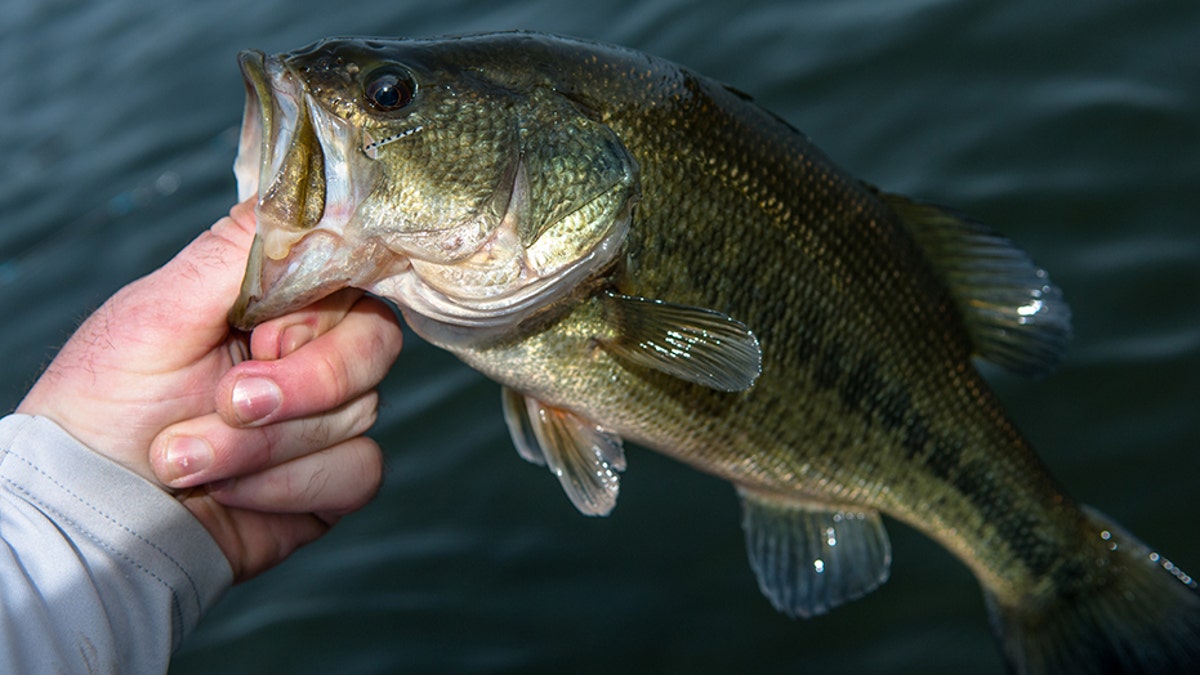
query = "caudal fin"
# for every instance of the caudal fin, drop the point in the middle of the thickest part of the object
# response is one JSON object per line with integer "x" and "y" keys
{"x": 1142, "y": 617}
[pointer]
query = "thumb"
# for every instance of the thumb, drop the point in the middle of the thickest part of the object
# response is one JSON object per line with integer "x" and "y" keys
{"x": 188, "y": 298}
{"x": 204, "y": 278}
{"x": 210, "y": 269}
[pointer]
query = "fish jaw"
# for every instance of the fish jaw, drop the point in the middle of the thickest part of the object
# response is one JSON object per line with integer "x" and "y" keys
{"x": 305, "y": 168}
{"x": 318, "y": 265}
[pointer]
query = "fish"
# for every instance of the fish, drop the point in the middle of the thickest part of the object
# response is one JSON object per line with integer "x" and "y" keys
{"x": 640, "y": 254}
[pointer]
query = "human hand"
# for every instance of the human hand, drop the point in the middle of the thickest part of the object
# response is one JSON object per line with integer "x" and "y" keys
{"x": 269, "y": 451}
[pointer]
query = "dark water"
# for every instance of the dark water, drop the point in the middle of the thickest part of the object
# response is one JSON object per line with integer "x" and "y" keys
{"x": 1074, "y": 129}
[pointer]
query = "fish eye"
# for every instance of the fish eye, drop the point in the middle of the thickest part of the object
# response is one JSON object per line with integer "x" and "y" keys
{"x": 389, "y": 89}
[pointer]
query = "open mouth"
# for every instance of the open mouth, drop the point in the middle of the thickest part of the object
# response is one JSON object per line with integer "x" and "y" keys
{"x": 308, "y": 174}
{"x": 280, "y": 156}
{"x": 306, "y": 164}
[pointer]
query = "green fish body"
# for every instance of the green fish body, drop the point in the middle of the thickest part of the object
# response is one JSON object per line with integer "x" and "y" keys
{"x": 638, "y": 253}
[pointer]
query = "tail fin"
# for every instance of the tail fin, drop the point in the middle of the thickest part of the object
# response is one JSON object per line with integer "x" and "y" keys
{"x": 1142, "y": 616}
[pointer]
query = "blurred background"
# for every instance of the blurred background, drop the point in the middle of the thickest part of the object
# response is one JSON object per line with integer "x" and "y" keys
{"x": 1073, "y": 128}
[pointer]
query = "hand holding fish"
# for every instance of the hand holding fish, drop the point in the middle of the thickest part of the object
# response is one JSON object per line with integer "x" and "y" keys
{"x": 267, "y": 453}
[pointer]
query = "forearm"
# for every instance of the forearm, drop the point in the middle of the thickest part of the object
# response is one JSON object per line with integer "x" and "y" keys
{"x": 100, "y": 571}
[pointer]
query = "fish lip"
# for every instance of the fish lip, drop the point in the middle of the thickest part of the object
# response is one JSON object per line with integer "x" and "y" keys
{"x": 255, "y": 117}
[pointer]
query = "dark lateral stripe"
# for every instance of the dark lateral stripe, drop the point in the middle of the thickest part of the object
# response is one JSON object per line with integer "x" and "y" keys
{"x": 865, "y": 393}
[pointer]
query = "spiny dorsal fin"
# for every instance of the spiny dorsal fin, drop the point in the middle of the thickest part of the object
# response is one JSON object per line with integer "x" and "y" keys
{"x": 584, "y": 456}
{"x": 810, "y": 557}
{"x": 691, "y": 343}
{"x": 1017, "y": 317}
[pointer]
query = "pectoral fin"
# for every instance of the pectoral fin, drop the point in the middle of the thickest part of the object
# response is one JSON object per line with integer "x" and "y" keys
{"x": 692, "y": 343}
{"x": 811, "y": 557}
{"x": 585, "y": 457}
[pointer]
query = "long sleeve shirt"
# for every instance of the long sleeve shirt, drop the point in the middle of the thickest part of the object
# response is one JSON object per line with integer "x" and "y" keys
{"x": 100, "y": 570}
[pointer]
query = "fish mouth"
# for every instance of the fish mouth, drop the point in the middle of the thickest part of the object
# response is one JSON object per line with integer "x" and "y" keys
{"x": 279, "y": 154}
{"x": 305, "y": 167}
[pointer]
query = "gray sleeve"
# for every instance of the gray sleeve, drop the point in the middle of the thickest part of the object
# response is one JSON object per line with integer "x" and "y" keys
{"x": 100, "y": 571}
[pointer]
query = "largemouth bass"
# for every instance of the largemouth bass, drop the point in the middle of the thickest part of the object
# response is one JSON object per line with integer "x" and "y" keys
{"x": 638, "y": 253}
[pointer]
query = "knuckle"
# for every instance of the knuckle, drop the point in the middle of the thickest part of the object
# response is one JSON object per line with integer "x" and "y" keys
{"x": 337, "y": 375}
{"x": 257, "y": 449}
{"x": 366, "y": 413}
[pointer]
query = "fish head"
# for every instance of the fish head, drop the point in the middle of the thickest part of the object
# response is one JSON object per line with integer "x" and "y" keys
{"x": 466, "y": 187}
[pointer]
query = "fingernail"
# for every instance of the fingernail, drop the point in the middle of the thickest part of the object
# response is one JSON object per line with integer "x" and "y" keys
{"x": 186, "y": 457}
{"x": 295, "y": 337}
{"x": 254, "y": 398}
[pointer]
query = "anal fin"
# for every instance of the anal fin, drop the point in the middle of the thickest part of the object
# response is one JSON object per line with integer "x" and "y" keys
{"x": 810, "y": 557}
{"x": 585, "y": 456}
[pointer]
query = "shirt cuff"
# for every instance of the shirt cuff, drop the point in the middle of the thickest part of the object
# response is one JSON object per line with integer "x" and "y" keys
{"x": 118, "y": 520}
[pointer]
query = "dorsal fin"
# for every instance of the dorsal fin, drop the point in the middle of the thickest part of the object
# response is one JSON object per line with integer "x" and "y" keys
{"x": 585, "y": 457}
{"x": 809, "y": 556}
{"x": 1016, "y": 316}
{"x": 698, "y": 345}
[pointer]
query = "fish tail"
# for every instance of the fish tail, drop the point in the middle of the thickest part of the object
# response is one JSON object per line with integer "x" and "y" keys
{"x": 1133, "y": 612}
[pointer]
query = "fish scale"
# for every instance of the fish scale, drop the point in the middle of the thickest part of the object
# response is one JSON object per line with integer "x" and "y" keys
{"x": 662, "y": 251}
{"x": 718, "y": 291}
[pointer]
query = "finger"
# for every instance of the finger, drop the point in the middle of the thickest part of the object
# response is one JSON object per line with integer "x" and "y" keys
{"x": 206, "y": 449}
{"x": 323, "y": 374}
{"x": 243, "y": 217}
{"x": 329, "y": 483}
{"x": 279, "y": 337}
